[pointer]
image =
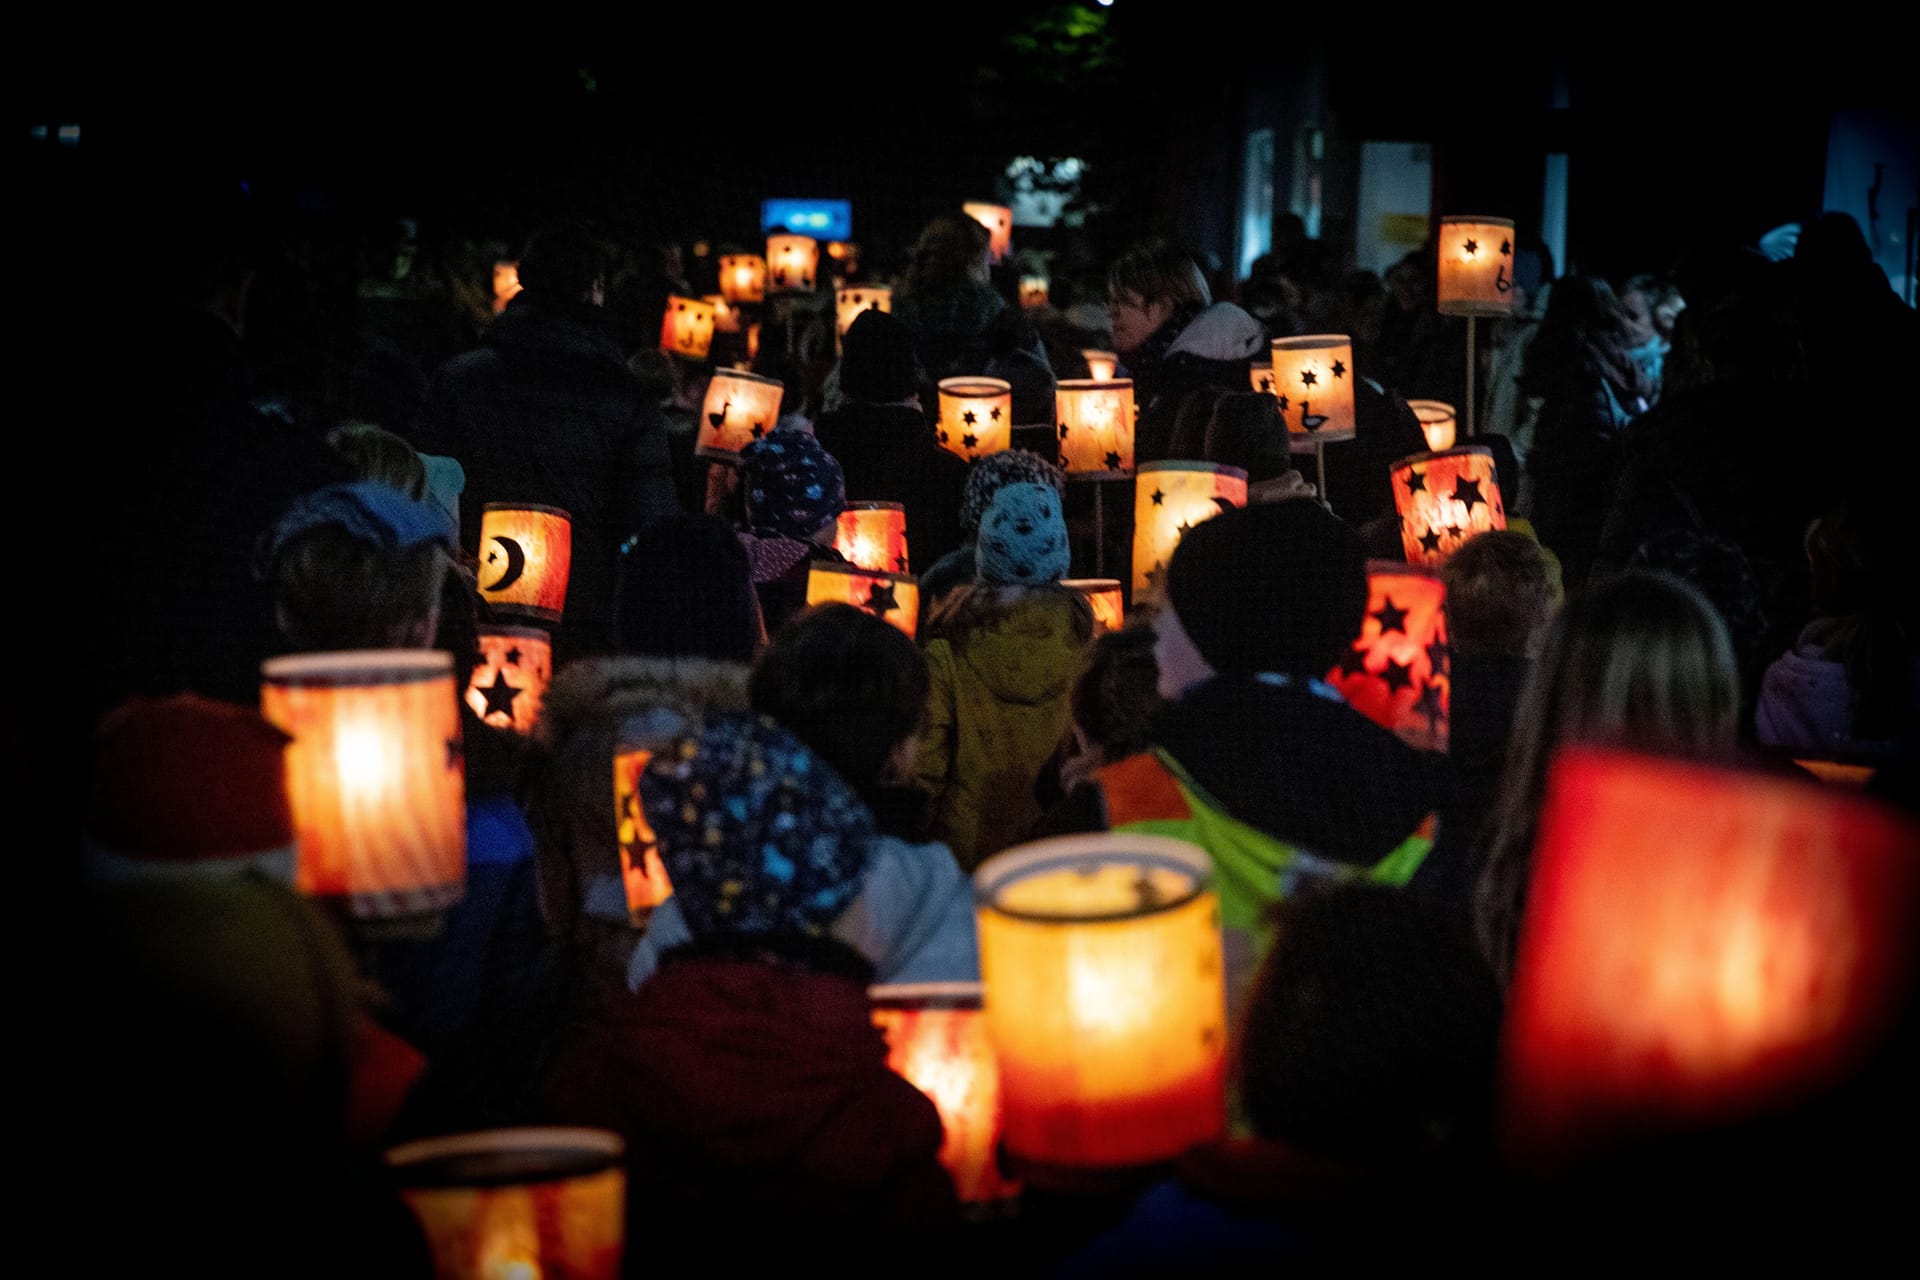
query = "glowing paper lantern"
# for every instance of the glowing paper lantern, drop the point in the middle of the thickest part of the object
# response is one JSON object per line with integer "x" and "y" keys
{"x": 1106, "y": 597}
{"x": 686, "y": 329}
{"x": 753, "y": 341}
{"x": 1476, "y": 266}
{"x": 998, "y": 220}
{"x": 937, "y": 1041}
{"x": 1436, "y": 423}
{"x": 1397, "y": 672}
{"x": 893, "y": 596}
{"x": 1096, "y": 427}
{"x": 855, "y": 298}
{"x": 1261, "y": 378}
{"x": 1033, "y": 291}
{"x": 526, "y": 555}
{"x": 976, "y": 417}
{"x": 518, "y": 1204}
{"x": 1313, "y": 381}
{"x": 1102, "y": 961}
{"x": 793, "y": 262}
{"x": 641, "y": 870}
{"x": 726, "y": 319}
{"x": 1170, "y": 498}
{"x": 375, "y": 775}
{"x": 743, "y": 277}
{"x": 1100, "y": 364}
{"x": 873, "y": 535}
{"x": 506, "y": 283}
{"x": 1445, "y": 498}
{"x": 510, "y": 680}
{"x": 1700, "y": 946}
{"x": 740, "y": 408}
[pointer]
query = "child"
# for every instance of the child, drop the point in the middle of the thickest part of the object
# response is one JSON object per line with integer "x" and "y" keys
{"x": 794, "y": 493}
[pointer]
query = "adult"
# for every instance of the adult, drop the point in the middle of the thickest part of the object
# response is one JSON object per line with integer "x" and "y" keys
{"x": 946, "y": 300}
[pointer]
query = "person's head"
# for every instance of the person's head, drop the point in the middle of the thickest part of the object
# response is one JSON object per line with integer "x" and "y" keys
{"x": 997, "y": 470}
{"x": 685, "y": 590}
{"x": 1501, "y": 591}
{"x": 380, "y": 457}
{"x": 793, "y": 487}
{"x": 1023, "y": 538}
{"x": 877, "y": 362}
{"x": 950, "y": 254}
{"x": 1277, "y": 588}
{"x": 851, "y": 686}
{"x": 359, "y": 566}
{"x": 1145, "y": 286}
{"x": 1118, "y": 694}
{"x": 565, "y": 262}
{"x": 1246, "y": 431}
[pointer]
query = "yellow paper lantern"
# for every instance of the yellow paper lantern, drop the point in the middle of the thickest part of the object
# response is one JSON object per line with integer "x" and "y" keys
{"x": 726, "y": 318}
{"x": 1476, "y": 266}
{"x": 1033, "y": 291}
{"x": 518, "y": 1204}
{"x": 743, "y": 277}
{"x": 976, "y": 417}
{"x": 1169, "y": 498}
{"x": 506, "y": 283}
{"x": 1397, "y": 672}
{"x": 1445, "y": 498}
{"x": 873, "y": 535}
{"x": 510, "y": 682}
{"x": 1436, "y": 423}
{"x": 375, "y": 775}
{"x": 998, "y": 220}
{"x": 1261, "y": 378}
{"x": 686, "y": 329}
{"x": 526, "y": 555}
{"x": 642, "y": 872}
{"x": 740, "y": 408}
{"x": 1313, "y": 380}
{"x": 849, "y": 302}
{"x": 937, "y": 1041}
{"x": 1100, "y": 364}
{"x": 1095, "y": 427}
{"x": 1107, "y": 598}
{"x": 1101, "y": 957}
{"x": 893, "y": 596}
{"x": 793, "y": 262}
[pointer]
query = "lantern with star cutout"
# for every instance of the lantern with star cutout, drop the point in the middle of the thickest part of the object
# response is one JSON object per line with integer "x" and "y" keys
{"x": 642, "y": 872}
{"x": 1260, "y": 376}
{"x": 375, "y": 775}
{"x": 743, "y": 277}
{"x": 526, "y": 557}
{"x": 1095, "y": 427}
{"x": 1476, "y": 266}
{"x": 998, "y": 220}
{"x": 937, "y": 1041}
{"x": 1700, "y": 947}
{"x": 1437, "y": 423}
{"x": 506, "y": 283}
{"x": 1170, "y": 498}
{"x": 976, "y": 417}
{"x": 793, "y": 263}
{"x": 1445, "y": 498}
{"x": 873, "y": 535}
{"x": 510, "y": 679}
{"x": 1033, "y": 292}
{"x": 855, "y": 298}
{"x": 892, "y": 596}
{"x": 1101, "y": 957}
{"x": 1397, "y": 672}
{"x": 726, "y": 317}
{"x": 1101, "y": 365}
{"x": 740, "y": 408}
{"x": 1107, "y": 598}
{"x": 686, "y": 328}
{"x": 1313, "y": 381}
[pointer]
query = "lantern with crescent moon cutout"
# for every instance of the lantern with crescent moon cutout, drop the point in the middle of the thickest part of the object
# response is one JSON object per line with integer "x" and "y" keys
{"x": 509, "y": 682}
{"x": 1398, "y": 672}
{"x": 976, "y": 417}
{"x": 892, "y": 596}
{"x": 526, "y": 555}
{"x": 998, "y": 220}
{"x": 1170, "y": 498}
{"x": 1095, "y": 427}
{"x": 873, "y": 535}
{"x": 1437, "y": 423}
{"x": 793, "y": 263}
{"x": 1476, "y": 266}
{"x": 1445, "y": 498}
{"x": 686, "y": 328}
{"x": 1107, "y": 598}
{"x": 740, "y": 408}
{"x": 642, "y": 871}
{"x": 937, "y": 1041}
{"x": 1100, "y": 364}
{"x": 743, "y": 277}
{"x": 1313, "y": 381}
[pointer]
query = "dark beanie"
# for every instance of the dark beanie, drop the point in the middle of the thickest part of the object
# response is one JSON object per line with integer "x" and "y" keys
{"x": 1280, "y": 587}
{"x": 1247, "y": 432}
{"x": 686, "y": 591}
{"x": 876, "y": 360}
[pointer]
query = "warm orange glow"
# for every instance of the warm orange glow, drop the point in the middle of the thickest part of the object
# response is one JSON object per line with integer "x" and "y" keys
{"x": 1838, "y": 773}
{"x": 508, "y": 685}
{"x": 1095, "y": 427}
{"x": 1445, "y": 498}
{"x": 1260, "y": 376}
{"x": 375, "y": 776}
{"x": 1101, "y": 957}
{"x": 743, "y": 277}
{"x": 873, "y": 535}
{"x": 526, "y": 556}
{"x": 506, "y": 283}
{"x": 753, "y": 341}
{"x": 893, "y": 596}
{"x": 976, "y": 417}
{"x": 1397, "y": 673}
{"x": 1476, "y": 266}
{"x": 686, "y": 328}
{"x": 998, "y": 220}
{"x": 849, "y": 302}
{"x": 937, "y": 1040}
{"x": 793, "y": 262}
{"x": 1313, "y": 381}
{"x": 1106, "y": 597}
{"x": 1169, "y": 498}
{"x": 1033, "y": 291}
{"x": 740, "y": 408}
{"x": 1436, "y": 423}
{"x": 726, "y": 317}
{"x": 641, "y": 868}
{"x": 1100, "y": 364}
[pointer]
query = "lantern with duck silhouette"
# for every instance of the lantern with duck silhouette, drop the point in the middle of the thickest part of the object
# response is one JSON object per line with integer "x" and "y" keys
{"x": 793, "y": 263}
{"x": 743, "y": 277}
{"x": 1170, "y": 498}
{"x": 976, "y": 417}
{"x": 686, "y": 328}
{"x": 1445, "y": 498}
{"x": 892, "y": 596}
{"x": 1436, "y": 423}
{"x": 1107, "y": 598}
{"x": 873, "y": 535}
{"x": 526, "y": 557}
{"x": 1397, "y": 672}
{"x": 1476, "y": 266}
{"x": 740, "y": 408}
{"x": 937, "y": 1040}
{"x": 509, "y": 682}
{"x": 998, "y": 220}
{"x": 1313, "y": 381}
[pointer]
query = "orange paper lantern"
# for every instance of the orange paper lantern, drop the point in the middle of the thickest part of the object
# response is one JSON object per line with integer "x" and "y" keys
{"x": 641, "y": 869}
{"x": 1437, "y": 423}
{"x": 1476, "y": 266}
{"x": 1102, "y": 961}
{"x": 743, "y": 277}
{"x": 1261, "y": 377}
{"x": 1106, "y": 597}
{"x": 1033, "y": 291}
{"x": 506, "y": 283}
{"x": 998, "y": 220}
{"x": 1700, "y": 946}
{"x": 375, "y": 775}
{"x": 740, "y": 408}
{"x": 510, "y": 680}
{"x": 1445, "y": 498}
{"x": 686, "y": 328}
{"x": 937, "y": 1041}
{"x": 753, "y": 341}
{"x": 1397, "y": 673}
{"x": 1170, "y": 498}
{"x": 893, "y": 596}
{"x": 976, "y": 417}
{"x": 873, "y": 535}
{"x": 855, "y": 298}
{"x": 726, "y": 318}
{"x": 793, "y": 262}
{"x": 1313, "y": 380}
{"x": 1095, "y": 427}
{"x": 518, "y": 1202}
{"x": 526, "y": 556}
{"x": 1100, "y": 364}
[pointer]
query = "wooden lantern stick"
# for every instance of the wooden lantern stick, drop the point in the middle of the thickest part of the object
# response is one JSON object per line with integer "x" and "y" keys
{"x": 1099, "y": 529}
{"x": 1320, "y": 466}
{"x": 1472, "y": 369}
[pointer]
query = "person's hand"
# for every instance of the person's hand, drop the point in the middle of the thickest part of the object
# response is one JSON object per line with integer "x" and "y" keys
{"x": 1779, "y": 243}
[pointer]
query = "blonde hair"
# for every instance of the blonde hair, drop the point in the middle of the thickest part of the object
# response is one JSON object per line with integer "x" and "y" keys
{"x": 380, "y": 457}
{"x": 974, "y": 605}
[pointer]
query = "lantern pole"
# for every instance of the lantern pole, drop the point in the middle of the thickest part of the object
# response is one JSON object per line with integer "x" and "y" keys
{"x": 1320, "y": 466}
{"x": 1472, "y": 369}
{"x": 1099, "y": 529}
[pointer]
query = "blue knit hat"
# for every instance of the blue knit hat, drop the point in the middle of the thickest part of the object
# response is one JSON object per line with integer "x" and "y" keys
{"x": 794, "y": 487}
{"x": 380, "y": 516}
{"x": 1023, "y": 537}
{"x": 758, "y": 834}
{"x": 997, "y": 470}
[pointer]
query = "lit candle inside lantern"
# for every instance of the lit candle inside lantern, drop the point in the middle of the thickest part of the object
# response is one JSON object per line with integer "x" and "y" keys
{"x": 873, "y": 535}
{"x": 686, "y": 328}
{"x": 1436, "y": 423}
{"x": 998, "y": 220}
{"x": 506, "y": 283}
{"x": 518, "y": 1204}
{"x": 726, "y": 318}
{"x": 526, "y": 556}
{"x": 1445, "y": 498}
{"x": 1095, "y": 427}
{"x": 740, "y": 408}
{"x": 855, "y": 298}
{"x": 1106, "y": 597}
{"x": 1100, "y": 364}
{"x": 1101, "y": 958}
{"x": 1397, "y": 672}
{"x": 937, "y": 1040}
{"x": 976, "y": 417}
{"x": 1699, "y": 946}
{"x": 642, "y": 872}
{"x": 893, "y": 596}
{"x": 1476, "y": 266}
{"x": 1169, "y": 498}
{"x": 1313, "y": 380}
{"x": 793, "y": 262}
{"x": 510, "y": 681}
{"x": 1033, "y": 291}
{"x": 375, "y": 776}
{"x": 743, "y": 277}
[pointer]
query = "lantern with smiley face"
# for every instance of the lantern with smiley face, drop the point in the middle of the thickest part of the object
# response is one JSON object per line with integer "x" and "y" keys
{"x": 740, "y": 408}
{"x": 743, "y": 277}
{"x": 1476, "y": 266}
{"x": 998, "y": 220}
{"x": 793, "y": 262}
{"x": 687, "y": 328}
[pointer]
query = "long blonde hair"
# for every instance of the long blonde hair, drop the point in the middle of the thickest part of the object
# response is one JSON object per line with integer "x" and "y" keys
{"x": 979, "y": 604}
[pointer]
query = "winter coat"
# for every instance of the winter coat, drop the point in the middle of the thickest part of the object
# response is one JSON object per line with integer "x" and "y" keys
{"x": 1807, "y": 701}
{"x": 888, "y": 454}
{"x": 950, "y": 328}
{"x": 1213, "y": 349}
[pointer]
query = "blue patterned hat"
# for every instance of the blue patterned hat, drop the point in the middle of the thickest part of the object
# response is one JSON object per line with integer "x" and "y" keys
{"x": 1023, "y": 537}
{"x": 794, "y": 487}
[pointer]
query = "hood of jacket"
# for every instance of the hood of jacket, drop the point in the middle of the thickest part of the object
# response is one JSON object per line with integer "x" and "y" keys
{"x": 1222, "y": 332}
{"x": 604, "y": 692}
{"x": 1029, "y": 655}
{"x": 576, "y": 331}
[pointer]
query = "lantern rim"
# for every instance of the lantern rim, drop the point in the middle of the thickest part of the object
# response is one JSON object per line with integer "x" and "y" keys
{"x": 855, "y": 571}
{"x": 1089, "y": 353}
{"x": 1176, "y": 464}
{"x": 357, "y": 667}
{"x": 974, "y": 385}
{"x": 1433, "y": 405}
{"x": 695, "y": 300}
{"x": 875, "y": 506}
{"x": 1399, "y": 569}
{"x": 514, "y": 633}
{"x": 1067, "y": 852}
{"x": 791, "y": 235}
{"x": 1311, "y": 342}
{"x": 1091, "y": 585}
{"x": 963, "y": 996}
{"x": 1092, "y": 384}
{"x": 1456, "y": 451}
{"x": 582, "y": 1152}
{"x": 562, "y": 512}
{"x": 742, "y": 375}
{"x": 1475, "y": 220}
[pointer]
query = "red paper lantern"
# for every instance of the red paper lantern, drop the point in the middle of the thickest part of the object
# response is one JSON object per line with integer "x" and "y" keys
{"x": 1445, "y": 498}
{"x": 892, "y": 596}
{"x": 509, "y": 683}
{"x": 642, "y": 872}
{"x": 873, "y": 535}
{"x": 1108, "y": 601}
{"x": 937, "y": 1040}
{"x": 1397, "y": 673}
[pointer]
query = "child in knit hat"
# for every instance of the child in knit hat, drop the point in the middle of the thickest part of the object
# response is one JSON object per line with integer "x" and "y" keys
{"x": 987, "y": 477}
{"x": 794, "y": 492}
